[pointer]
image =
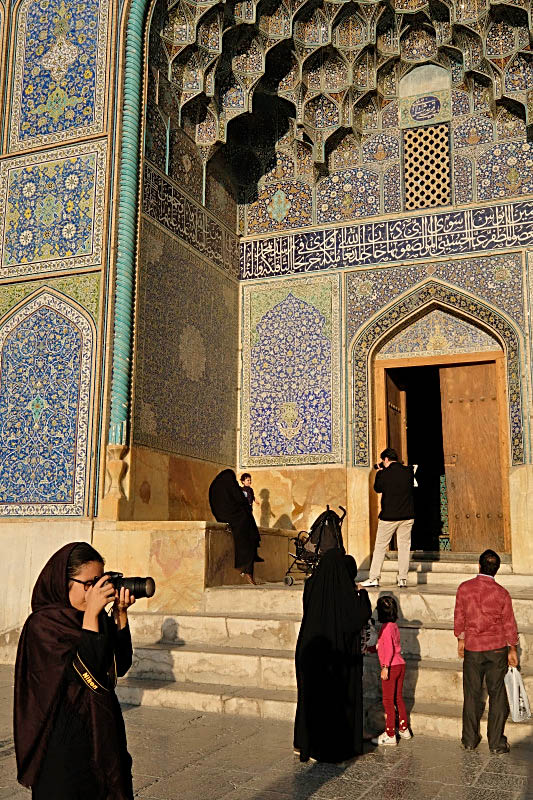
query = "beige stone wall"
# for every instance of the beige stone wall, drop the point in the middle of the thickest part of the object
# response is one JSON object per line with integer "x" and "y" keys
{"x": 26, "y": 546}
{"x": 183, "y": 558}
{"x": 521, "y": 501}
{"x": 292, "y": 497}
{"x": 169, "y": 487}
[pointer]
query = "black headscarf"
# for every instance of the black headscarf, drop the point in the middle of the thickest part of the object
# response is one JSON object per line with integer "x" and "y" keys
{"x": 46, "y": 647}
{"x": 329, "y": 666}
{"x": 229, "y": 505}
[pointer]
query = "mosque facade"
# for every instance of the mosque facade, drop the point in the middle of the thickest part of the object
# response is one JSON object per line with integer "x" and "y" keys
{"x": 232, "y": 232}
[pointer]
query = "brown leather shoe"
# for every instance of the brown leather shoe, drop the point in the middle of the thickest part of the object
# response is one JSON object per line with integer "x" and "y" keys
{"x": 248, "y": 578}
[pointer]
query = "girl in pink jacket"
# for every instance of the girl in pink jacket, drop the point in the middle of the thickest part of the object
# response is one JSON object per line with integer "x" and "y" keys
{"x": 392, "y": 673}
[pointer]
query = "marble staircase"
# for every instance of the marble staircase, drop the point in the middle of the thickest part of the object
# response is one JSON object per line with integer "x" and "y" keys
{"x": 236, "y": 655}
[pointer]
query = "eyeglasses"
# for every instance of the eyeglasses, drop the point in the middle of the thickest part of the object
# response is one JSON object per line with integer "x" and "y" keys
{"x": 87, "y": 584}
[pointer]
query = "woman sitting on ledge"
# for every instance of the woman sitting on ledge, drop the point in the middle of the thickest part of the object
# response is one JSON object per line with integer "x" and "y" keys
{"x": 229, "y": 505}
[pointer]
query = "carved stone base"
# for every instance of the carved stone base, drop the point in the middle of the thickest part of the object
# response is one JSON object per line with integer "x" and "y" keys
{"x": 115, "y": 504}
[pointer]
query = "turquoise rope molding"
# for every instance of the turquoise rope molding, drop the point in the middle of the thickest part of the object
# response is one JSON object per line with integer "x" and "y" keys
{"x": 127, "y": 225}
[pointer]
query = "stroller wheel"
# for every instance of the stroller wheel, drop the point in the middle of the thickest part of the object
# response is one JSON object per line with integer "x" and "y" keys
{"x": 288, "y": 580}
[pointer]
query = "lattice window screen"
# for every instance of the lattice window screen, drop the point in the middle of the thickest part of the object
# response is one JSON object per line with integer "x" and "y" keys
{"x": 426, "y": 154}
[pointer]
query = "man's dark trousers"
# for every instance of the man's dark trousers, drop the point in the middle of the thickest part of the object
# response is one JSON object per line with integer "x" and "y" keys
{"x": 491, "y": 665}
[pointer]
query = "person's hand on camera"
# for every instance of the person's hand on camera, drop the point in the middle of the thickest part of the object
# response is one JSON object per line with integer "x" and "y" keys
{"x": 123, "y": 600}
{"x": 98, "y": 596}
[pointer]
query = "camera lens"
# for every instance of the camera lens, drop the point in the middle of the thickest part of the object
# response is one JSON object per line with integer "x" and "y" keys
{"x": 139, "y": 587}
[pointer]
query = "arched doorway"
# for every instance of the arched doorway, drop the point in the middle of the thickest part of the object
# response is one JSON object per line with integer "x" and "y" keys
{"x": 440, "y": 400}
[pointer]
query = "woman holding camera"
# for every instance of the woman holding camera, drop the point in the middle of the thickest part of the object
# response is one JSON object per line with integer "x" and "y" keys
{"x": 69, "y": 732}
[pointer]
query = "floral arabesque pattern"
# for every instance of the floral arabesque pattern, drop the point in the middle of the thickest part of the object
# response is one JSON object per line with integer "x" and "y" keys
{"x": 438, "y": 333}
{"x": 505, "y": 170}
{"x": 59, "y": 83}
{"x": 45, "y": 387}
{"x": 290, "y": 409}
{"x": 52, "y": 208}
{"x": 291, "y": 380}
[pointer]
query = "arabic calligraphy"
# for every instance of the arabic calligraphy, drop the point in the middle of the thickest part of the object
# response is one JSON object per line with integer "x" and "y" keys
{"x": 411, "y": 238}
{"x": 167, "y": 205}
{"x": 425, "y": 108}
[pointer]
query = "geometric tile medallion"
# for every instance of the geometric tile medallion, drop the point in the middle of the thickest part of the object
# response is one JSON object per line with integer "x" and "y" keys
{"x": 59, "y": 72}
{"x": 51, "y": 208}
{"x": 46, "y": 356}
{"x": 291, "y": 410}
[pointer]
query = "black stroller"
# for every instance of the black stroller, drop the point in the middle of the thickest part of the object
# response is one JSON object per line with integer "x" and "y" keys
{"x": 325, "y": 533}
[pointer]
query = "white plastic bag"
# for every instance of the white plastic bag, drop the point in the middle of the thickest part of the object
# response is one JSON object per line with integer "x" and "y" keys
{"x": 369, "y": 638}
{"x": 516, "y": 693}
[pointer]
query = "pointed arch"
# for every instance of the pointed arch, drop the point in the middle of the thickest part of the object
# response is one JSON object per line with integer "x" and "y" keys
{"x": 431, "y": 294}
{"x": 47, "y": 346}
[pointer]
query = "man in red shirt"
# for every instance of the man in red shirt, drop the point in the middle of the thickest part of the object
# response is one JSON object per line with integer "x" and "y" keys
{"x": 487, "y": 639}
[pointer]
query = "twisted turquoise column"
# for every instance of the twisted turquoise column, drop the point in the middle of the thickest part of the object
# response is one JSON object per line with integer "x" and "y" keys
{"x": 127, "y": 225}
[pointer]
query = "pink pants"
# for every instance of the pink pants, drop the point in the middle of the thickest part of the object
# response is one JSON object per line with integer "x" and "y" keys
{"x": 392, "y": 700}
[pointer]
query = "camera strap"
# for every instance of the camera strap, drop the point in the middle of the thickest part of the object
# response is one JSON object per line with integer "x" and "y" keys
{"x": 87, "y": 678}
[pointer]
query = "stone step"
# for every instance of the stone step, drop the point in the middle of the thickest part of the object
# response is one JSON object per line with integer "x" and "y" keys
{"x": 239, "y": 625}
{"x": 469, "y": 567}
{"x": 269, "y": 599}
{"x": 276, "y": 633}
{"x": 444, "y": 721}
{"x": 221, "y": 699}
{"x": 438, "y": 642}
{"x": 274, "y": 669}
{"x": 231, "y": 666}
{"x": 431, "y": 639}
{"x": 432, "y": 601}
{"x": 439, "y": 720}
{"x": 426, "y": 574}
{"x": 429, "y": 680}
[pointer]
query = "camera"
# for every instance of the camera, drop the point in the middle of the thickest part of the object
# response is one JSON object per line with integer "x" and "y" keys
{"x": 139, "y": 587}
{"x": 381, "y": 465}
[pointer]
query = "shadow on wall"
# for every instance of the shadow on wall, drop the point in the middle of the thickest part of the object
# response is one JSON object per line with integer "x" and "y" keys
{"x": 267, "y": 515}
{"x": 266, "y": 508}
{"x": 153, "y": 663}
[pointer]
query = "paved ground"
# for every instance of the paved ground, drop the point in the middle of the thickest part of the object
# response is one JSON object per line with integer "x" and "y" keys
{"x": 193, "y": 756}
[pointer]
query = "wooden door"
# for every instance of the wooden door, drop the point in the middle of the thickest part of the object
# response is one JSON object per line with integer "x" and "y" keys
{"x": 472, "y": 457}
{"x": 396, "y": 417}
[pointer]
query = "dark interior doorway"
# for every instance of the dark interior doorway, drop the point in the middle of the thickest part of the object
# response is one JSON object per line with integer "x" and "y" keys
{"x": 425, "y": 448}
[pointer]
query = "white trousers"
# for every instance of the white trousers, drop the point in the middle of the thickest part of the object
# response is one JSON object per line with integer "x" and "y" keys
{"x": 385, "y": 532}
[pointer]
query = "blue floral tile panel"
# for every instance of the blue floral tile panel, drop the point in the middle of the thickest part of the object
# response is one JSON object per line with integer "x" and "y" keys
{"x": 51, "y": 208}
{"x": 46, "y": 372}
{"x": 59, "y": 85}
{"x": 291, "y": 380}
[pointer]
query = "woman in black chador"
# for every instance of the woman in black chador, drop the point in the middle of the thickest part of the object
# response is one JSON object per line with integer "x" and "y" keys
{"x": 70, "y": 740}
{"x": 329, "y": 664}
{"x": 229, "y": 505}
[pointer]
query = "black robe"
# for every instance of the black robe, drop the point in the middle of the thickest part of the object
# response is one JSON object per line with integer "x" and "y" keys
{"x": 70, "y": 742}
{"x": 329, "y": 664}
{"x": 229, "y": 505}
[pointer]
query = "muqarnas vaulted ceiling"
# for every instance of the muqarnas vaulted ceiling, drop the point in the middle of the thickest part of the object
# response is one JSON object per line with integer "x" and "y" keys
{"x": 328, "y": 59}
